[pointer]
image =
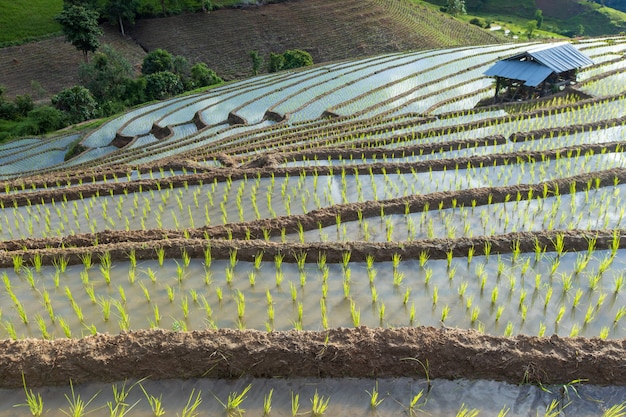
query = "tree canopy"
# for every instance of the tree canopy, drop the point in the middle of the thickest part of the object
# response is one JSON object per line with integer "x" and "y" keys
{"x": 80, "y": 26}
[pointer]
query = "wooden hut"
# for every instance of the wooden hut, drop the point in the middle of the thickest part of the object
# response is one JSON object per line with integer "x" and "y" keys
{"x": 537, "y": 72}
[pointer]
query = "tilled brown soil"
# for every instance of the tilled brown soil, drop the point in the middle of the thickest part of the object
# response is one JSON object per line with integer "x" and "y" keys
{"x": 356, "y": 352}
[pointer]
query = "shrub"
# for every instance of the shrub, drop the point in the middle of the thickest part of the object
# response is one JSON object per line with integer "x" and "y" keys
{"x": 297, "y": 58}
{"x": 77, "y": 102}
{"x": 44, "y": 119}
{"x": 203, "y": 76}
{"x": 158, "y": 60}
{"x": 294, "y": 58}
{"x": 277, "y": 62}
{"x": 477, "y": 22}
{"x": 24, "y": 104}
{"x": 135, "y": 91}
{"x": 161, "y": 85}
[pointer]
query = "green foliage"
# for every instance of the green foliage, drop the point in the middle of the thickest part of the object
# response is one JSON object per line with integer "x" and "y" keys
{"x": 77, "y": 102}
{"x": 44, "y": 119}
{"x": 294, "y": 58}
{"x": 539, "y": 18}
{"x": 22, "y": 20}
{"x": 107, "y": 75}
{"x": 118, "y": 11}
{"x": 531, "y": 26}
{"x": 277, "y": 62}
{"x": 158, "y": 60}
{"x": 80, "y": 26}
{"x": 257, "y": 62}
{"x": 456, "y": 7}
{"x": 161, "y": 85}
{"x": 203, "y": 76}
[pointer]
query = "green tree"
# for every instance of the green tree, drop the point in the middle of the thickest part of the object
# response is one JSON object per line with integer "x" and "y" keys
{"x": 456, "y": 7}
{"x": 80, "y": 26}
{"x": 257, "y": 62}
{"x": 44, "y": 119}
{"x": 539, "y": 18}
{"x": 277, "y": 62}
{"x": 531, "y": 26}
{"x": 106, "y": 75}
{"x": 158, "y": 60}
{"x": 77, "y": 102}
{"x": 296, "y": 58}
{"x": 161, "y": 85}
{"x": 119, "y": 11}
{"x": 203, "y": 76}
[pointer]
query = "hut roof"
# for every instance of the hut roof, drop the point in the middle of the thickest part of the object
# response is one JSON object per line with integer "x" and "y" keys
{"x": 535, "y": 65}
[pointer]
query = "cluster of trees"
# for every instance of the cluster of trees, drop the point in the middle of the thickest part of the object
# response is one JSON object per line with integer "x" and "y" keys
{"x": 108, "y": 85}
{"x": 290, "y": 59}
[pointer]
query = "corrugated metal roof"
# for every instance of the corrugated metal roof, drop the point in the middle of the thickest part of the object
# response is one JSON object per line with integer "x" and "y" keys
{"x": 537, "y": 64}
{"x": 531, "y": 73}
{"x": 559, "y": 58}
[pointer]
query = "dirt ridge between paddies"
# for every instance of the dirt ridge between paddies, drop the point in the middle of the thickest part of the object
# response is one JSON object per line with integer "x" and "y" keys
{"x": 338, "y": 353}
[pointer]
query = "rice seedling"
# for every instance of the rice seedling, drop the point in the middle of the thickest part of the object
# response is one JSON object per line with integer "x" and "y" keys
{"x": 295, "y": 404}
{"x": 319, "y": 404}
{"x": 234, "y": 401}
{"x": 374, "y": 400}
{"x": 189, "y": 410}
{"x": 77, "y": 405}
{"x": 267, "y": 402}
{"x": 34, "y": 402}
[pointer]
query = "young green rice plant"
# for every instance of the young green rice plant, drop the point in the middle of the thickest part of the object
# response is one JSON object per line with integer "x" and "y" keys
{"x": 86, "y": 260}
{"x": 414, "y": 404}
{"x": 319, "y": 405}
{"x": 374, "y": 400}
{"x": 33, "y": 402}
{"x": 466, "y": 412}
{"x": 18, "y": 263}
{"x": 234, "y": 401}
{"x": 189, "y": 410}
{"x": 267, "y": 403}
{"x": 77, "y": 405}
{"x": 295, "y": 404}
{"x": 241, "y": 304}
{"x": 355, "y": 314}
{"x": 428, "y": 275}
{"x": 171, "y": 292}
{"x": 617, "y": 410}
{"x": 160, "y": 255}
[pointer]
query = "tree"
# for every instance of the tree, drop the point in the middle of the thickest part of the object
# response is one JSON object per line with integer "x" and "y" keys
{"x": 277, "y": 62}
{"x": 77, "y": 102}
{"x": 456, "y": 7}
{"x": 158, "y": 60}
{"x": 531, "y": 26}
{"x": 44, "y": 119}
{"x": 296, "y": 58}
{"x": 161, "y": 85}
{"x": 119, "y": 10}
{"x": 80, "y": 26}
{"x": 257, "y": 62}
{"x": 105, "y": 76}
{"x": 539, "y": 18}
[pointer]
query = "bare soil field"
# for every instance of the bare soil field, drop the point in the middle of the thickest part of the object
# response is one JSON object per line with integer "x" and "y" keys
{"x": 327, "y": 29}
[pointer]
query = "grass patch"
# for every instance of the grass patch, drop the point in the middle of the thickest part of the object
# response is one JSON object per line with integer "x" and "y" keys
{"x": 21, "y": 19}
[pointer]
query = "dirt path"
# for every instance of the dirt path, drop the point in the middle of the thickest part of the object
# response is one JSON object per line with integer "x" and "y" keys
{"x": 358, "y": 352}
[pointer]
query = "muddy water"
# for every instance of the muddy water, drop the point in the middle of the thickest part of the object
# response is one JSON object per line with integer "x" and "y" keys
{"x": 347, "y": 396}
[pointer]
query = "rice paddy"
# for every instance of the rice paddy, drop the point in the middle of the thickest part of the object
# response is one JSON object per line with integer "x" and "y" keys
{"x": 312, "y": 201}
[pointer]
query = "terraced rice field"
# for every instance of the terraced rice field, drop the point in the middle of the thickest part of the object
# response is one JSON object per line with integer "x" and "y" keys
{"x": 314, "y": 224}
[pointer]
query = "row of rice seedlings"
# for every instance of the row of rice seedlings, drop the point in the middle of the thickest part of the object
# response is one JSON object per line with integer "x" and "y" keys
{"x": 541, "y": 285}
{"x": 142, "y": 212}
{"x": 124, "y": 400}
{"x": 520, "y": 213}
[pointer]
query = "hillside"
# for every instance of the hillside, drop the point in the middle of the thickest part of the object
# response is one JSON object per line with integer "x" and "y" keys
{"x": 327, "y": 29}
{"x": 560, "y": 16}
{"x": 224, "y": 38}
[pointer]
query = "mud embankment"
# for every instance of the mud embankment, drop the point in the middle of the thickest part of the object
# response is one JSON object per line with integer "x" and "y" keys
{"x": 338, "y": 353}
